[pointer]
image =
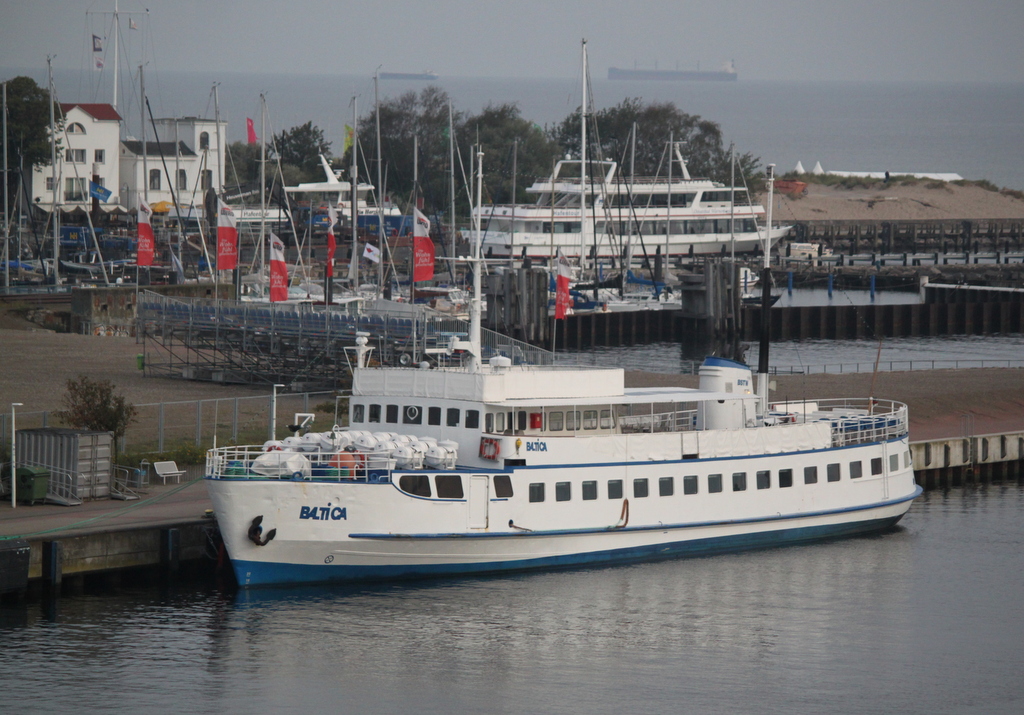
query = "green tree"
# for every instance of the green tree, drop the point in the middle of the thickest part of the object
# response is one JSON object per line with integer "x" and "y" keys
{"x": 243, "y": 164}
{"x": 700, "y": 139}
{"x": 94, "y": 405}
{"x": 28, "y": 126}
{"x": 299, "y": 150}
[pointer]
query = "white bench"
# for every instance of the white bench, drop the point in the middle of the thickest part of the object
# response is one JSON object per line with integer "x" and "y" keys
{"x": 168, "y": 470}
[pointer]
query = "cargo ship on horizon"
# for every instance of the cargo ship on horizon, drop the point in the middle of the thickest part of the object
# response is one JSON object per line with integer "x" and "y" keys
{"x": 726, "y": 74}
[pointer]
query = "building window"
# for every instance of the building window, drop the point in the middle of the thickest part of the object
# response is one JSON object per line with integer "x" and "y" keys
{"x": 49, "y": 183}
{"x": 449, "y": 486}
{"x": 537, "y": 492}
{"x": 182, "y": 180}
{"x": 374, "y": 413}
{"x": 785, "y": 478}
{"x": 415, "y": 484}
{"x": 714, "y": 483}
{"x": 453, "y": 417}
{"x": 99, "y": 156}
{"x": 589, "y": 491}
{"x": 154, "y": 179}
{"x": 76, "y": 128}
{"x": 690, "y": 484}
{"x": 502, "y": 486}
{"x": 614, "y": 488}
{"x": 832, "y": 472}
{"x": 74, "y": 189}
{"x": 856, "y": 470}
{"x": 739, "y": 481}
{"x": 810, "y": 475}
{"x": 358, "y": 413}
{"x": 391, "y": 414}
{"x": 666, "y": 486}
{"x": 433, "y": 415}
{"x": 640, "y": 488}
{"x": 75, "y": 156}
{"x": 563, "y": 491}
{"x": 472, "y": 419}
{"x": 876, "y": 466}
{"x": 204, "y": 140}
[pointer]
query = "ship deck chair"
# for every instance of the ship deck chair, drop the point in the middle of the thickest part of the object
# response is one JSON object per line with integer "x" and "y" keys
{"x": 168, "y": 470}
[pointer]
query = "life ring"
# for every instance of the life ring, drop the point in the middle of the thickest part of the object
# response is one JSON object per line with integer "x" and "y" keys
{"x": 490, "y": 448}
{"x": 405, "y": 359}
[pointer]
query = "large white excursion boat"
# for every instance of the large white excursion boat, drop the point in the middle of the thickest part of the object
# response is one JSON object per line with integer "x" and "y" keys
{"x": 621, "y": 214}
{"x": 493, "y": 459}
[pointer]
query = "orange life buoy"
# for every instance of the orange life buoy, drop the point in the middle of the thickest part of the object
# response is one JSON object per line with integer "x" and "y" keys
{"x": 490, "y": 448}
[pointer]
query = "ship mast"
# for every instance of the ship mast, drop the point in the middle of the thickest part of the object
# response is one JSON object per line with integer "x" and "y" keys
{"x": 475, "y": 305}
{"x": 766, "y": 301}
{"x": 583, "y": 159}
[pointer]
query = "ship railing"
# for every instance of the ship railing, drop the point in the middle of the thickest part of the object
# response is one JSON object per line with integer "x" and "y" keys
{"x": 671, "y": 421}
{"x": 853, "y": 421}
{"x": 253, "y": 462}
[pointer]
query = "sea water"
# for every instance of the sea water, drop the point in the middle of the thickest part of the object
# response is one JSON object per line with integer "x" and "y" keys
{"x": 922, "y": 618}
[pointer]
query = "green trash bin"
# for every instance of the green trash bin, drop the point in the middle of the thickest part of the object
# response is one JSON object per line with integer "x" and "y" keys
{"x": 33, "y": 483}
{"x": 140, "y": 361}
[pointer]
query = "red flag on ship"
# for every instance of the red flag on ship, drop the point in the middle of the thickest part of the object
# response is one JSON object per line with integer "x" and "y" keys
{"x": 144, "y": 250}
{"x": 278, "y": 271}
{"x": 562, "y": 300}
{"x": 251, "y": 130}
{"x": 227, "y": 238}
{"x": 332, "y": 245}
{"x": 422, "y": 248}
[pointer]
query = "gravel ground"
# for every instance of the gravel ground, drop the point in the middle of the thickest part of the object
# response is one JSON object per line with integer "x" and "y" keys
{"x": 35, "y": 366}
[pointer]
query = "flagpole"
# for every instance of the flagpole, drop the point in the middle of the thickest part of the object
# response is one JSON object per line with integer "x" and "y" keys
{"x": 353, "y": 265}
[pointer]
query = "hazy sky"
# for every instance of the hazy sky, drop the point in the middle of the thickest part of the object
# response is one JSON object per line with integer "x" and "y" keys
{"x": 958, "y": 40}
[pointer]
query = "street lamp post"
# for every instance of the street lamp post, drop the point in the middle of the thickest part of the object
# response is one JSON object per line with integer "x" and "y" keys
{"x": 14, "y": 482}
{"x": 273, "y": 413}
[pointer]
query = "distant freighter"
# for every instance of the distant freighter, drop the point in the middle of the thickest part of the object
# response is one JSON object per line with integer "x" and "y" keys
{"x": 726, "y": 75}
{"x": 408, "y": 75}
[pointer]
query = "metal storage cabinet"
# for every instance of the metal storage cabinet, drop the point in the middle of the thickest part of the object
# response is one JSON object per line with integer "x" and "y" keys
{"x": 79, "y": 461}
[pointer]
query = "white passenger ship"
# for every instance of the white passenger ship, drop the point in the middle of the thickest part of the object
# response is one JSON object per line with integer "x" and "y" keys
{"x": 680, "y": 217}
{"x": 493, "y": 459}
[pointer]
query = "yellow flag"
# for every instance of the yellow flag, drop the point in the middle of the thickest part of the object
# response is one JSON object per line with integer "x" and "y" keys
{"x": 349, "y": 132}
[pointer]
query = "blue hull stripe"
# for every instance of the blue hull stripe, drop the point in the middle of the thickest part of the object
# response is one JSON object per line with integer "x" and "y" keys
{"x": 259, "y": 573}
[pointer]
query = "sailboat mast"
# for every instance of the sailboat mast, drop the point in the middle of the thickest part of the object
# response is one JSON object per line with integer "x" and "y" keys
{"x": 263, "y": 175}
{"x": 382, "y": 234}
{"x": 583, "y": 159}
{"x": 117, "y": 28}
{"x": 353, "y": 264}
{"x": 7, "y": 216}
{"x": 477, "y": 307}
{"x": 766, "y": 301}
{"x": 54, "y": 179}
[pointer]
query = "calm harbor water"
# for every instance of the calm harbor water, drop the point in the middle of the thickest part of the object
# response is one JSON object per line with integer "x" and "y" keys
{"x": 920, "y": 619}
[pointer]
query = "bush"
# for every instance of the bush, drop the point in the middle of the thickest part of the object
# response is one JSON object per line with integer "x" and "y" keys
{"x": 93, "y": 405}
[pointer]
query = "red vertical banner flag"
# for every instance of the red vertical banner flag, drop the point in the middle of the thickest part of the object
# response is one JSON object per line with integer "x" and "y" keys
{"x": 227, "y": 238}
{"x": 332, "y": 244}
{"x": 144, "y": 250}
{"x": 562, "y": 300}
{"x": 278, "y": 271}
{"x": 422, "y": 248}
{"x": 251, "y": 131}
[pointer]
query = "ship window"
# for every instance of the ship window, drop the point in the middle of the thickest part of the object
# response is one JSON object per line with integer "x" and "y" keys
{"x": 502, "y": 486}
{"x": 499, "y": 421}
{"x": 810, "y": 475}
{"x": 415, "y": 484}
{"x": 472, "y": 419}
{"x": 449, "y": 486}
{"x": 690, "y": 484}
{"x": 764, "y": 479}
{"x": 489, "y": 422}
{"x": 572, "y": 420}
{"x": 907, "y": 459}
{"x": 739, "y": 481}
{"x": 590, "y": 419}
{"x": 536, "y": 492}
{"x": 640, "y": 488}
{"x": 894, "y": 462}
{"x": 453, "y": 417}
{"x": 433, "y": 415}
{"x": 563, "y": 491}
{"x": 555, "y": 421}
{"x": 374, "y": 413}
{"x": 606, "y": 419}
{"x": 666, "y": 486}
{"x": 521, "y": 420}
{"x": 785, "y": 478}
{"x": 856, "y": 470}
{"x": 714, "y": 483}
{"x": 876, "y": 466}
{"x": 358, "y": 413}
{"x": 614, "y": 488}
{"x": 391, "y": 413}
{"x": 412, "y": 415}
{"x": 832, "y": 472}
{"x": 589, "y": 491}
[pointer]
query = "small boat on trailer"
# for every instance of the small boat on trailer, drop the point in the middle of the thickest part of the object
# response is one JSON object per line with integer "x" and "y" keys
{"x": 494, "y": 459}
